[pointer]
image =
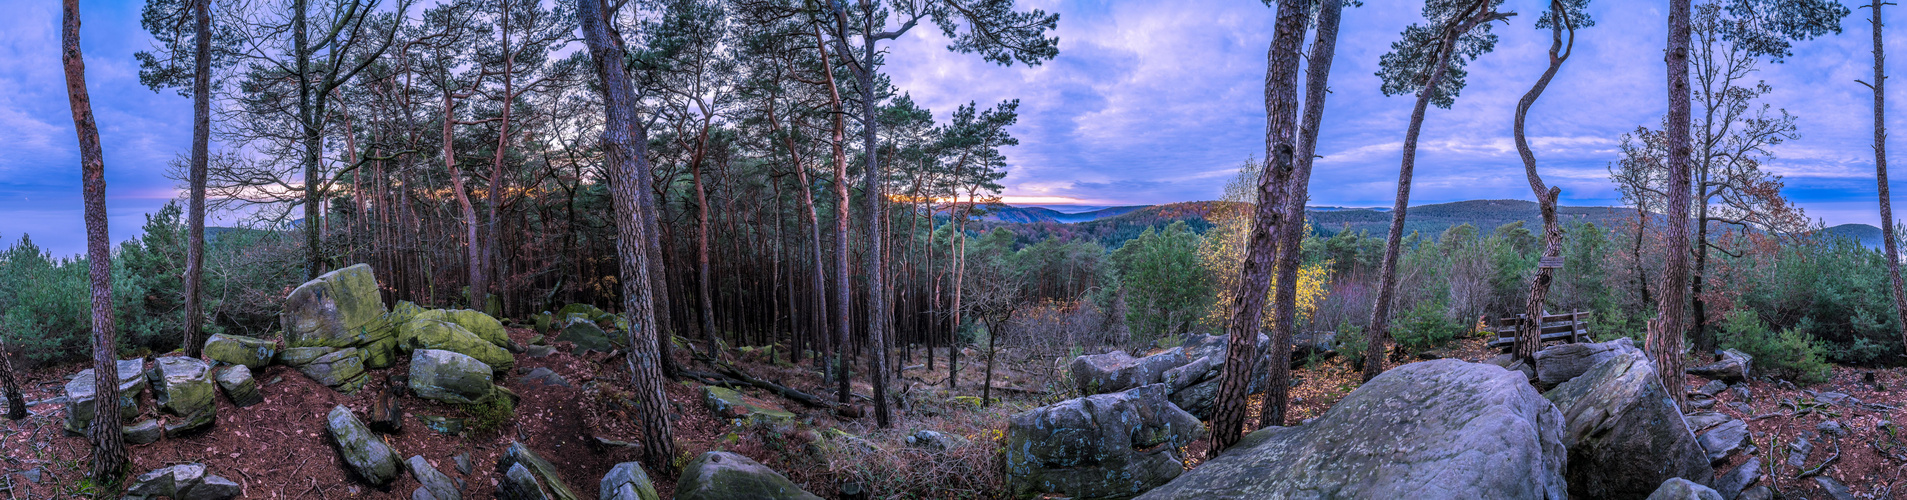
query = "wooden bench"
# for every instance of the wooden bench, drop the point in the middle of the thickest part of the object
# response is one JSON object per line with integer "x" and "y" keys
{"x": 1570, "y": 327}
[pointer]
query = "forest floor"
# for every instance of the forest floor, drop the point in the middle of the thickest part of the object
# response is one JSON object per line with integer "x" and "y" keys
{"x": 279, "y": 449}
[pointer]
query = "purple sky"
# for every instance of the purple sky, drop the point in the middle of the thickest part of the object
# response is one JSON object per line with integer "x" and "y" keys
{"x": 1148, "y": 102}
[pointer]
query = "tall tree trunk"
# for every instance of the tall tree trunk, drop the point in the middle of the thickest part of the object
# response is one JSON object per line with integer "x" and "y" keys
{"x": 1530, "y": 337}
{"x": 703, "y": 286}
{"x": 843, "y": 299}
{"x": 625, "y": 145}
{"x": 818, "y": 325}
{"x": 310, "y": 122}
{"x": 473, "y": 251}
{"x": 958, "y": 247}
{"x": 490, "y": 252}
{"x": 16, "y": 402}
{"x": 1268, "y": 216}
{"x": 1699, "y": 336}
{"x": 1393, "y": 242}
{"x": 109, "y": 450}
{"x": 201, "y": 138}
{"x": 874, "y": 200}
{"x": 1291, "y": 234}
{"x": 1880, "y": 173}
{"x": 1665, "y": 331}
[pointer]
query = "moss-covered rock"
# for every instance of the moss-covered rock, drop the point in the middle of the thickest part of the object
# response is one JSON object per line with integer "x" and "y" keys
{"x": 342, "y": 308}
{"x": 486, "y": 327}
{"x": 184, "y": 387}
{"x": 240, "y": 350}
{"x": 528, "y": 476}
{"x": 726, "y": 403}
{"x": 79, "y": 395}
{"x": 341, "y": 369}
{"x": 403, "y": 312}
{"x": 586, "y": 335}
{"x": 449, "y": 377}
{"x": 380, "y": 354}
{"x": 425, "y": 333}
{"x": 628, "y": 482}
{"x": 367, "y": 455}
{"x": 144, "y": 432}
{"x": 237, "y": 382}
{"x": 720, "y": 475}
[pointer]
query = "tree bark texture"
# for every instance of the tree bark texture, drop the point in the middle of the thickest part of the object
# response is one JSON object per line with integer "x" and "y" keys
{"x": 1281, "y": 110}
{"x": 1664, "y": 341}
{"x": 1880, "y": 173}
{"x": 843, "y": 304}
{"x": 873, "y": 203}
{"x": 195, "y": 210}
{"x": 625, "y": 145}
{"x": 1291, "y": 236}
{"x": 109, "y": 448}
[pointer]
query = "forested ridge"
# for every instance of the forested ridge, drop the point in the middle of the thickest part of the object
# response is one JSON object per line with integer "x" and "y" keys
{"x": 709, "y": 248}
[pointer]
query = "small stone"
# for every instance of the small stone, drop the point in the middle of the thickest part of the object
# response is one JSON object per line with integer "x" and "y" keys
{"x": 169, "y": 481}
{"x": 212, "y": 488}
{"x": 1682, "y": 489}
{"x": 1831, "y": 428}
{"x": 934, "y": 440}
{"x": 144, "y": 432}
{"x": 31, "y": 475}
{"x": 1701, "y": 403}
{"x": 1742, "y": 393}
{"x": 240, "y": 350}
{"x": 1731, "y": 484}
{"x": 1798, "y": 453}
{"x": 543, "y": 376}
{"x": 1762, "y": 492}
{"x": 438, "y": 484}
{"x": 1834, "y": 488}
{"x": 539, "y": 351}
{"x": 370, "y": 457}
{"x": 463, "y": 462}
{"x": 237, "y": 382}
{"x": 1722, "y": 441}
{"x": 443, "y": 425}
{"x": 1833, "y": 398}
{"x": 1713, "y": 388}
{"x": 627, "y": 481}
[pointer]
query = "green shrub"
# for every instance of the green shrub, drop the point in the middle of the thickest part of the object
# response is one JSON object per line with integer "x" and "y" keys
{"x": 1425, "y": 328}
{"x": 1789, "y": 354}
{"x": 490, "y": 413}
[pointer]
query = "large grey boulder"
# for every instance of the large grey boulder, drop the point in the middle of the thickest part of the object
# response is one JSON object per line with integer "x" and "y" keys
{"x": 426, "y": 333}
{"x": 1103, "y": 446}
{"x": 586, "y": 335}
{"x": 1117, "y": 371}
{"x": 1195, "y": 384}
{"x": 1682, "y": 489}
{"x": 80, "y": 394}
{"x": 183, "y": 387}
{"x": 239, "y": 385}
{"x": 341, "y": 369}
{"x": 720, "y": 475}
{"x": 1443, "y": 429}
{"x": 449, "y": 377}
{"x": 1625, "y": 435}
{"x": 240, "y": 350}
{"x": 627, "y": 482}
{"x": 341, "y": 308}
{"x": 528, "y": 476}
{"x": 1560, "y": 363}
{"x": 1730, "y": 366}
{"x": 435, "y": 484}
{"x": 367, "y": 455}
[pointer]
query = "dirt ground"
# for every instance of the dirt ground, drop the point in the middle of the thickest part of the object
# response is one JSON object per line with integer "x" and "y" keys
{"x": 279, "y": 449}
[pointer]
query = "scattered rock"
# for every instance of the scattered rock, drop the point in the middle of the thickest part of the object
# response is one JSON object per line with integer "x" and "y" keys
{"x": 436, "y": 484}
{"x": 935, "y": 440}
{"x": 726, "y": 403}
{"x": 1798, "y": 452}
{"x": 240, "y": 350}
{"x": 1433, "y": 429}
{"x": 1117, "y": 371}
{"x": 1834, "y": 488}
{"x": 1733, "y": 366}
{"x": 1833, "y": 398}
{"x": 628, "y": 482}
{"x": 183, "y": 482}
{"x": 449, "y": 377}
{"x": 1730, "y": 485}
{"x": 1762, "y": 492}
{"x": 1103, "y": 446}
{"x": 212, "y": 488}
{"x": 424, "y": 333}
{"x": 1701, "y": 421}
{"x": 586, "y": 335}
{"x": 539, "y": 351}
{"x": 341, "y": 369}
{"x": 720, "y": 475}
{"x": 341, "y": 308}
{"x": 1624, "y": 433}
{"x": 1831, "y": 428}
{"x": 1742, "y": 394}
{"x": 484, "y": 326}
{"x": 370, "y": 457}
{"x": 1560, "y": 363}
{"x": 31, "y": 475}
{"x": 79, "y": 395}
{"x": 1700, "y": 403}
{"x": 1682, "y": 489}
{"x": 237, "y": 382}
{"x": 443, "y": 425}
{"x": 144, "y": 432}
{"x": 1722, "y": 441}
{"x": 1714, "y": 388}
{"x": 528, "y": 476}
{"x": 543, "y": 376}
{"x": 463, "y": 462}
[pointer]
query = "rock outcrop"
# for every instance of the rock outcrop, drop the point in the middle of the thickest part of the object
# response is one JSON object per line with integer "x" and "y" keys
{"x": 484, "y": 326}
{"x": 183, "y": 387}
{"x": 1730, "y": 366}
{"x": 1429, "y": 430}
{"x": 425, "y": 333}
{"x": 1117, "y": 371}
{"x": 527, "y": 476}
{"x": 720, "y": 475}
{"x": 240, "y": 350}
{"x": 341, "y": 369}
{"x": 368, "y": 456}
{"x": 1625, "y": 435}
{"x": 341, "y": 309}
{"x": 80, "y": 394}
{"x": 628, "y": 482}
{"x": 1560, "y": 363}
{"x": 449, "y": 377}
{"x": 1103, "y": 446}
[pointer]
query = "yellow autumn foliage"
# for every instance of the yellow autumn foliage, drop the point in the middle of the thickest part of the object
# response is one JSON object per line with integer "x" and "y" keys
{"x": 1222, "y": 254}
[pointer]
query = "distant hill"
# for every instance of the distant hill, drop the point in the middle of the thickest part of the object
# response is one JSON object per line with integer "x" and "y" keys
{"x": 1114, "y": 226}
{"x": 1869, "y": 236}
